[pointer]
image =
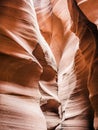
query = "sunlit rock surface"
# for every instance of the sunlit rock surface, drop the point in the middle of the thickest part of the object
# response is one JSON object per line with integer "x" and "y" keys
{"x": 48, "y": 64}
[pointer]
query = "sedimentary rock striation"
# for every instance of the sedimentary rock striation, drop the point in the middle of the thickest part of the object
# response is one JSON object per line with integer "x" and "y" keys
{"x": 48, "y": 64}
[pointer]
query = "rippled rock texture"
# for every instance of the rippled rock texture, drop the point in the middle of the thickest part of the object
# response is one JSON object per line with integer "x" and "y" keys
{"x": 48, "y": 64}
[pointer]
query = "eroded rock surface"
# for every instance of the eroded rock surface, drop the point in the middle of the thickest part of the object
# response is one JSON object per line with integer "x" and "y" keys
{"x": 48, "y": 64}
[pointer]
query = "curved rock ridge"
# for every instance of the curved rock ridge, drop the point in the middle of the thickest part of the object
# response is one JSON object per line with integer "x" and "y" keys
{"x": 48, "y": 64}
{"x": 25, "y": 58}
{"x": 66, "y": 27}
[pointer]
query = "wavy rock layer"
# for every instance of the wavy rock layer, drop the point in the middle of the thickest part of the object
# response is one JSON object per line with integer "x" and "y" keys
{"x": 72, "y": 39}
{"x": 48, "y": 62}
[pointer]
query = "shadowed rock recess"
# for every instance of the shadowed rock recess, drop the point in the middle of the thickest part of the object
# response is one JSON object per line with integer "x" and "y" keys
{"x": 48, "y": 64}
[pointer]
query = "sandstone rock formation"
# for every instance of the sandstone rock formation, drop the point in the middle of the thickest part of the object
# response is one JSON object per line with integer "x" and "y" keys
{"x": 48, "y": 64}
